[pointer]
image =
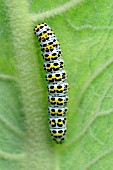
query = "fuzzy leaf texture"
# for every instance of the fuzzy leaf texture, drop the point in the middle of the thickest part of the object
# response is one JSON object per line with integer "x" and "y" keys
{"x": 85, "y": 32}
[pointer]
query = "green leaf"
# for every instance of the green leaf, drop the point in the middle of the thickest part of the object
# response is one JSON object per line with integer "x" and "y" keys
{"x": 84, "y": 29}
{"x": 11, "y": 126}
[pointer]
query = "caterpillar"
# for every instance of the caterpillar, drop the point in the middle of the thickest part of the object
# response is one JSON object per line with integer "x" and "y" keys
{"x": 56, "y": 77}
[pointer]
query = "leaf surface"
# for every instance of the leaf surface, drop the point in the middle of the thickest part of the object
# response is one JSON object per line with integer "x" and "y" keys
{"x": 85, "y": 32}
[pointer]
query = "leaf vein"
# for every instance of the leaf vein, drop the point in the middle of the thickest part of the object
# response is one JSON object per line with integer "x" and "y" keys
{"x": 11, "y": 127}
{"x": 55, "y": 11}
